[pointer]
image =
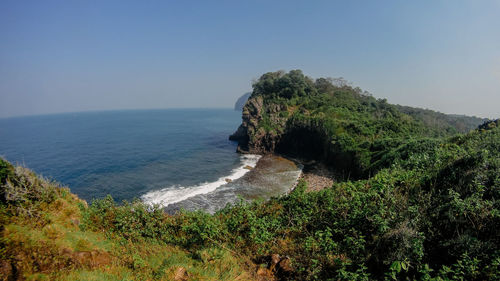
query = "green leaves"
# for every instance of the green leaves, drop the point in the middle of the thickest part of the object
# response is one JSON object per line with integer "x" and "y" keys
{"x": 398, "y": 267}
{"x": 284, "y": 85}
{"x": 429, "y": 211}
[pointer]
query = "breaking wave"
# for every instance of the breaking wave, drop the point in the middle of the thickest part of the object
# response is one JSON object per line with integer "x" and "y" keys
{"x": 174, "y": 194}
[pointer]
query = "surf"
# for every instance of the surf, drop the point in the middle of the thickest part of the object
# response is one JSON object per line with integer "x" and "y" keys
{"x": 176, "y": 193}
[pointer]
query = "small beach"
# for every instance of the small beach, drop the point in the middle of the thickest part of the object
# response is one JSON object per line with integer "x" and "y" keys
{"x": 317, "y": 176}
{"x": 271, "y": 176}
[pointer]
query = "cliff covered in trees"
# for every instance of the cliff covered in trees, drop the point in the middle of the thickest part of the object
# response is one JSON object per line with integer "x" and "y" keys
{"x": 329, "y": 120}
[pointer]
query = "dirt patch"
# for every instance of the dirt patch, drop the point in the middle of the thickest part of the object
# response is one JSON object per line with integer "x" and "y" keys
{"x": 317, "y": 176}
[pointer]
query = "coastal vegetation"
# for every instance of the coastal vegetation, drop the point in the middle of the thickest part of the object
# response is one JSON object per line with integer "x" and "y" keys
{"x": 415, "y": 200}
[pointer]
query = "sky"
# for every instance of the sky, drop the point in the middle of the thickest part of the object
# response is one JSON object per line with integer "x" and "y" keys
{"x": 68, "y": 56}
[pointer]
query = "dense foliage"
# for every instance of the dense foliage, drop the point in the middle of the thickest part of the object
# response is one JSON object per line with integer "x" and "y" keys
{"x": 329, "y": 120}
{"x": 47, "y": 233}
{"x": 460, "y": 123}
{"x": 424, "y": 206}
{"x": 434, "y": 214}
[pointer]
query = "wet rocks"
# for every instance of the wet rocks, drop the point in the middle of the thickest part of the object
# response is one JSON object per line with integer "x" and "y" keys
{"x": 272, "y": 176}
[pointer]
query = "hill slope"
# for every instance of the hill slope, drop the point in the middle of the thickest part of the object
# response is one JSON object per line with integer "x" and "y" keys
{"x": 329, "y": 120}
{"x": 47, "y": 233}
{"x": 460, "y": 123}
{"x": 425, "y": 205}
{"x": 433, "y": 214}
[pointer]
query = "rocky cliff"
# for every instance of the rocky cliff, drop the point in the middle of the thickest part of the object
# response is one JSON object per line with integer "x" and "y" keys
{"x": 261, "y": 126}
{"x": 269, "y": 127}
{"x": 328, "y": 121}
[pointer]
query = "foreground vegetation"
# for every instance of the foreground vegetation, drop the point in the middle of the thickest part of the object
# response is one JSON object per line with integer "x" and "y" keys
{"x": 424, "y": 205}
{"x": 47, "y": 233}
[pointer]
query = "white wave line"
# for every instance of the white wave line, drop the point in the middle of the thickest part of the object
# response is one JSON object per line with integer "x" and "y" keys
{"x": 174, "y": 194}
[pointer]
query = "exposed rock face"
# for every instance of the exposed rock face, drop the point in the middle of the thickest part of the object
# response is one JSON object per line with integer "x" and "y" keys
{"x": 261, "y": 126}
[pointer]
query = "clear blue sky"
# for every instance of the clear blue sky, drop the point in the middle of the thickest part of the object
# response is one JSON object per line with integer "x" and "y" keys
{"x": 63, "y": 56}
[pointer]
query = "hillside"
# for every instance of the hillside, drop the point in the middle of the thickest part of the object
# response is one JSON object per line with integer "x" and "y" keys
{"x": 446, "y": 122}
{"x": 460, "y": 123}
{"x": 48, "y": 233}
{"x": 328, "y": 120}
{"x": 417, "y": 203}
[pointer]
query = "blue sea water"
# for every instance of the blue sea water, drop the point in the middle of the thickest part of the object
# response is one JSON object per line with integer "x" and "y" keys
{"x": 127, "y": 154}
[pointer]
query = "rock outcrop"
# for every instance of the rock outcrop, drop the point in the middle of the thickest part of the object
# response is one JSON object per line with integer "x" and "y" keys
{"x": 332, "y": 123}
{"x": 261, "y": 127}
{"x": 266, "y": 127}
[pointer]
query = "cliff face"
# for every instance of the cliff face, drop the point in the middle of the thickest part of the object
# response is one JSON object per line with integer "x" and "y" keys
{"x": 341, "y": 126}
{"x": 267, "y": 127}
{"x": 261, "y": 126}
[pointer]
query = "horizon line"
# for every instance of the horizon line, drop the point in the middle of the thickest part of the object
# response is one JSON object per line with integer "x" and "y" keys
{"x": 111, "y": 110}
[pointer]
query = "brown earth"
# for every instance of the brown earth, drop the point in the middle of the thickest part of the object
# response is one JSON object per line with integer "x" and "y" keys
{"x": 317, "y": 176}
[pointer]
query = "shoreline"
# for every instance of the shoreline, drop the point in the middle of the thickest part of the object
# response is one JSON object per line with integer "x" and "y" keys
{"x": 316, "y": 174}
{"x": 270, "y": 164}
{"x": 271, "y": 175}
{"x": 172, "y": 195}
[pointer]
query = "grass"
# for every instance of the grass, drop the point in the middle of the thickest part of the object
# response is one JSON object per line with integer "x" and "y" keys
{"x": 42, "y": 238}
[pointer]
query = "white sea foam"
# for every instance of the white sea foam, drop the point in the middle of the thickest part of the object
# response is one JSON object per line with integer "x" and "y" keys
{"x": 174, "y": 194}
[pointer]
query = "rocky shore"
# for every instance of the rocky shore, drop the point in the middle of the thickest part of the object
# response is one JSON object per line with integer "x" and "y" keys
{"x": 317, "y": 176}
{"x": 273, "y": 175}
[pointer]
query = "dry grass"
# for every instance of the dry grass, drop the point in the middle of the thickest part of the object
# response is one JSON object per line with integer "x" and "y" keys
{"x": 41, "y": 240}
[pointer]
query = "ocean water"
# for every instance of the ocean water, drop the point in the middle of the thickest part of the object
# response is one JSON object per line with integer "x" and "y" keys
{"x": 177, "y": 158}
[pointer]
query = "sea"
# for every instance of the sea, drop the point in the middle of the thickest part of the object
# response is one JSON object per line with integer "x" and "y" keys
{"x": 174, "y": 158}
